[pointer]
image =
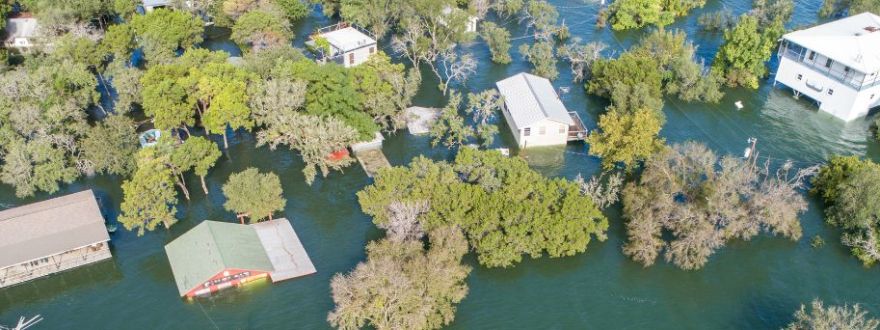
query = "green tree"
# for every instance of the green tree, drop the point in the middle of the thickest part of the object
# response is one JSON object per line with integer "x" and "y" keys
{"x": 258, "y": 30}
{"x": 331, "y": 92}
{"x": 148, "y": 196}
{"x": 542, "y": 56}
{"x": 498, "y": 39}
{"x": 506, "y": 209}
{"x": 417, "y": 289}
{"x": 293, "y": 10}
{"x": 221, "y": 91}
{"x": 63, "y": 14}
{"x": 483, "y": 107}
{"x": 626, "y": 138}
{"x": 111, "y": 145}
{"x": 633, "y": 14}
{"x": 196, "y": 153}
{"x": 832, "y": 317}
{"x": 450, "y": 128}
{"x": 162, "y": 32}
{"x": 166, "y": 98}
{"x": 119, "y": 40}
{"x": 629, "y": 69}
{"x": 740, "y": 60}
{"x": 253, "y": 194}
{"x": 386, "y": 90}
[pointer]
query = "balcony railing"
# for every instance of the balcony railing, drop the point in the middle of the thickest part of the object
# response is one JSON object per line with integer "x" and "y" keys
{"x": 850, "y": 77}
{"x": 578, "y": 131}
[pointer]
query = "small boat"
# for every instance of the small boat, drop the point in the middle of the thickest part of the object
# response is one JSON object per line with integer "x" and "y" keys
{"x": 150, "y": 138}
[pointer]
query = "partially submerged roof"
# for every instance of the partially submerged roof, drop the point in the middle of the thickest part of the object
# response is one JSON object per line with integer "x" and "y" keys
{"x": 284, "y": 250}
{"x": 50, "y": 227}
{"x": 22, "y": 26}
{"x": 156, "y": 3}
{"x": 530, "y": 99}
{"x": 348, "y": 38}
{"x": 853, "y": 41}
{"x": 212, "y": 247}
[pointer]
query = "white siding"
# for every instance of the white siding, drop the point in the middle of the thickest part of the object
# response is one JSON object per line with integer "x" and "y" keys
{"x": 358, "y": 56}
{"x": 551, "y": 134}
{"x": 844, "y": 102}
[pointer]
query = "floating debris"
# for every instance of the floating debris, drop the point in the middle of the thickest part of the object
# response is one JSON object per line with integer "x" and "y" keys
{"x": 739, "y": 105}
{"x": 24, "y": 323}
{"x": 420, "y": 119}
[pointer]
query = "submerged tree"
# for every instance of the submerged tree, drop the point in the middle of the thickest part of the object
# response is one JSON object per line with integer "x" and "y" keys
{"x": 162, "y": 32}
{"x": 111, "y": 145}
{"x": 633, "y": 14}
{"x": 848, "y": 185}
{"x": 542, "y": 56}
{"x": 626, "y": 138}
{"x": 820, "y": 317}
{"x": 148, "y": 196}
{"x": 498, "y": 39}
{"x": 681, "y": 191}
{"x": 253, "y": 194}
{"x": 450, "y": 128}
{"x": 506, "y": 209}
{"x": 851, "y": 7}
{"x": 403, "y": 286}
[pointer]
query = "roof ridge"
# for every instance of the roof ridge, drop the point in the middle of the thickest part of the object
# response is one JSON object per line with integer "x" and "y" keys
{"x": 214, "y": 241}
{"x": 525, "y": 76}
{"x": 54, "y": 203}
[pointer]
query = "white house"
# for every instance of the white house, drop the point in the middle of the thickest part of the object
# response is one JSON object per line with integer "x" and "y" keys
{"x": 535, "y": 114}
{"x": 20, "y": 31}
{"x": 349, "y": 45}
{"x": 837, "y": 64}
{"x": 470, "y": 24}
{"x": 150, "y": 5}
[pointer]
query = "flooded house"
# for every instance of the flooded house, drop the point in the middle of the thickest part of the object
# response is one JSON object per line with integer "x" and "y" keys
{"x": 218, "y": 255}
{"x": 836, "y": 64}
{"x": 21, "y": 31}
{"x": 535, "y": 114}
{"x": 343, "y": 43}
{"x": 51, "y": 236}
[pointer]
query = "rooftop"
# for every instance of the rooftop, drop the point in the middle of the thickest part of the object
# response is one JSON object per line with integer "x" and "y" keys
{"x": 156, "y": 3}
{"x": 50, "y": 227}
{"x": 212, "y": 246}
{"x": 347, "y": 38}
{"x": 22, "y": 26}
{"x": 853, "y": 41}
{"x": 530, "y": 99}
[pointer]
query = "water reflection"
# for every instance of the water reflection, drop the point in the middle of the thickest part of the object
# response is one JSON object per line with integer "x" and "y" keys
{"x": 97, "y": 276}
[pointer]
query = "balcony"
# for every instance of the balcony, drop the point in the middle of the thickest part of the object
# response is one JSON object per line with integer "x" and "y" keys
{"x": 578, "y": 131}
{"x": 852, "y": 78}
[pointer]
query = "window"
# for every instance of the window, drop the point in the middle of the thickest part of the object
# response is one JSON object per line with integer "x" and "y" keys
{"x": 561, "y": 129}
{"x": 812, "y": 55}
{"x": 828, "y": 63}
{"x": 800, "y": 76}
{"x": 846, "y": 69}
{"x": 830, "y": 91}
{"x": 350, "y": 58}
{"x": 527, "y": 131}
{"x": 542, "y": 130}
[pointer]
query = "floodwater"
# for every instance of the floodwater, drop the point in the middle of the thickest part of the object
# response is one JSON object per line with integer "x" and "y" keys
{"x": 755, "y": 284}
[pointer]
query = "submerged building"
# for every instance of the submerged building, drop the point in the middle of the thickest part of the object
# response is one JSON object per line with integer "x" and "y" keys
{"x": 343, "y": 43}
{"x": 21, "y": 31}
{"x": 217, "y": 255}
{"x": 51, "y": 236}
{"x": 535, "y": 114}
{"x": 837, "y": 64}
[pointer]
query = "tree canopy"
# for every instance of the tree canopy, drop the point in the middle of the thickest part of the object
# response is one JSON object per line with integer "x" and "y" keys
{"x": 506, "y": 209}
{"x": 634, "y": 14}
{"x": 162, "y": 32}
{"x": 149, "y": 197}
{"x": 703, "y": 206}
{"x": 417, "y": 288}
{"x": 832, "y": 317}
{"x": 253, "y": 194}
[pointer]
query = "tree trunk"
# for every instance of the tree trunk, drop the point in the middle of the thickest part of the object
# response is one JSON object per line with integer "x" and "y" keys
{"x": 225, "y": 141}
{"x": 182, "y": 186}
{"x": 186, "y": 129}
{"x": 204, "y": 186}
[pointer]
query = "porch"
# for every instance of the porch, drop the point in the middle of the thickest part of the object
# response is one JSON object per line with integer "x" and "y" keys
{"x": 578, "y": 131}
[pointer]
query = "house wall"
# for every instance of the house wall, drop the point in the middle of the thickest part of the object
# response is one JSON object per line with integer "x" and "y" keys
{"x": 544, "y": 133}
{"x": 845, "y": 102}
{"x": 232, "y": 277}
{"x": 53, "y": 264}
{"x": 360, "y": 55}
{"x": 19, "y": 43}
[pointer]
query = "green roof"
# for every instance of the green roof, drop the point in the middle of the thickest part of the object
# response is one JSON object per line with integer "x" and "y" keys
{"x": 212, "y": 247}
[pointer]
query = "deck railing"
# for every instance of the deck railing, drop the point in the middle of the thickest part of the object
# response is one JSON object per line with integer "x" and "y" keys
{"x": 578, "y": 131}
{"x": 848, "y": 77}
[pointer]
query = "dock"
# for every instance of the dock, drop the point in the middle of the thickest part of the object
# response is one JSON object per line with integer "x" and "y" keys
{"x": 369, "y": 154}
{"x": 420, "y": 119}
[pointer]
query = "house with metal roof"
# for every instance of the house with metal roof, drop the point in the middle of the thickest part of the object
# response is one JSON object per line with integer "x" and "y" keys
{"x": 51, "y": 236}
{"x": 535, "y": 114}
{"x": 150, "y": 5}
{"x": 21, "y": 30}
{"x": 343, "y": 43}
{"x": 836, "y": 64}
{"x": 218, "y": 255}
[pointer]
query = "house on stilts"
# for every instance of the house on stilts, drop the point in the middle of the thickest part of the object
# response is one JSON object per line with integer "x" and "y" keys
{"x": 836, "y": 64}
{"x": 217, "y": 255}
{"x": 536, "y": 115}
{"x": 51, "y": 236}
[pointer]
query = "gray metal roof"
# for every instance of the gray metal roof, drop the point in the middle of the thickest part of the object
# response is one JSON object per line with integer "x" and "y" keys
{"x": 530, "y": 99}
{"x": 211, "y": 247}
{"x": 284, "y": 249}
{"x": 50, "y": 227}
{"x": 154, "y": 3}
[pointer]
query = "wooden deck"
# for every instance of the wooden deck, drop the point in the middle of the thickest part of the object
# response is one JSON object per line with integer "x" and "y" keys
{"x": 372, "y": 161}
{"x": 578, "y": 131}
